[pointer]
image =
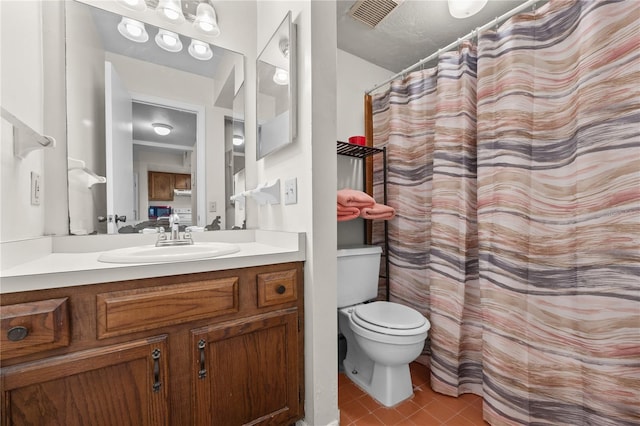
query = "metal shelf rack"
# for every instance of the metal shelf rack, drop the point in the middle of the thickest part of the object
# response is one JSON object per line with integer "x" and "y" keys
{"x": 363, "y": 152}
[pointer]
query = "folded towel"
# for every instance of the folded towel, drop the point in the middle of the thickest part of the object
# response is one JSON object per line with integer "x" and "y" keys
{"x": 378, "y": 211}
{"x": 347, "y": 213}
{"x": 352, "y": 198}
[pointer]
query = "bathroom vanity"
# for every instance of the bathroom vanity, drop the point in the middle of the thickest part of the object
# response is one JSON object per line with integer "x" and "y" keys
{"x": 223, "y": 346}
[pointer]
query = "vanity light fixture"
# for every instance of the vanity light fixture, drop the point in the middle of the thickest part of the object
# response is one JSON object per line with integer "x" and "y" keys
{"x": 238, "y": 140}
{"x": 206, "y": 19}
{"x": 200, "y": 50}
{"x": 169, "y": 41}
{"x": 162, "y": 129}
{"x": 138, "y": 5}
{"x": 133, "y": 30}
{"x": 465, "y": 8}
{"x": 281, "y": 77}
{"x": 171, "y": 10}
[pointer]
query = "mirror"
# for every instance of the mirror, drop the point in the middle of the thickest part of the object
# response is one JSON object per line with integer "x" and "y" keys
{"x": 157, "y": 121}
{"x": 276, "y": 73}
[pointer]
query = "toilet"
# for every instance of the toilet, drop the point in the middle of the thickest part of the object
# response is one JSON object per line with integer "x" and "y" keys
{"x": 382, "y": 337}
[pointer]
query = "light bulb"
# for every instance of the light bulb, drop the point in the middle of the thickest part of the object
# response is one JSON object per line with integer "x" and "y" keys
{"x": 133, "y": 30}
{"x": 169, "y": 41}
{"x": 162, "y": 129}
{"x": 206, "y": 19}
{"x": 171, "y": 10}
{"x": 200, "y": 50}
{"x": 281, "y": 77}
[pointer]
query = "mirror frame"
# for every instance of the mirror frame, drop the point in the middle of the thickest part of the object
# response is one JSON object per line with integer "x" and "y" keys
{"x": 288, "y": 27}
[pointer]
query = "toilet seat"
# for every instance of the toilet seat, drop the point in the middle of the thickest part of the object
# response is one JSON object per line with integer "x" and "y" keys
{"x": 390, "y": 318}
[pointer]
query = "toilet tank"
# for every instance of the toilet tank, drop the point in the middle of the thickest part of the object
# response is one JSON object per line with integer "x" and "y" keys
{"x": 358, "y": 270}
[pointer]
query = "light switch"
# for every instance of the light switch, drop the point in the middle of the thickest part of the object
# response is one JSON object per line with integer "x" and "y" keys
{"x": 212, "y": 207}
{"x": 35, "y": 189}
{"x": 290, "y": 191}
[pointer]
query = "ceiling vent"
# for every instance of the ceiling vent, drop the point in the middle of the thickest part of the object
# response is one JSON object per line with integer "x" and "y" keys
{"x": 371, "y": 12}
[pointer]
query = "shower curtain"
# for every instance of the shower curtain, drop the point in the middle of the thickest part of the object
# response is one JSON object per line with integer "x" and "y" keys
{"x": 514, "y": 168}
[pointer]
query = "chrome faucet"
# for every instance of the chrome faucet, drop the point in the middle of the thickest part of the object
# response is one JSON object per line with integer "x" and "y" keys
{"x": 174, "y": 233}
{"x": 174, "y": 225}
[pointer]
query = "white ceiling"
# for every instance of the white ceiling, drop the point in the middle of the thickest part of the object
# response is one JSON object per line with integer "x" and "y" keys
{"x": 412, "y": 31}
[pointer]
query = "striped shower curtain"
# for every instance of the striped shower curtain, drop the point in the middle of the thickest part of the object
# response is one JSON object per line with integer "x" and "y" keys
{"x": 518, "y": 227}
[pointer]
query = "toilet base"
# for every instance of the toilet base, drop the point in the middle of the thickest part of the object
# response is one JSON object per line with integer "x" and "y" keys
{"x": 389, "y": 385}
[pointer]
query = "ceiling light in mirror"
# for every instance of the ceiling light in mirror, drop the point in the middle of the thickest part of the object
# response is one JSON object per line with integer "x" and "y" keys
{"x": 139, "y": 5}
{"x": 465, "y": 8}
{"x": 171, "y": 10}
{"x": 162, "y": 129}
{"x": 200, "y": 50}
{"x": 206, "y": 19}
{"x": 281, "y": 77}
{"x": 238, "y": 140}
{"x": 168, "y": 40}
{"x": 133, "y": 30}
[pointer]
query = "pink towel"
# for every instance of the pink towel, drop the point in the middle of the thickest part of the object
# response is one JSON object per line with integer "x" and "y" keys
{"x": 378, "y": 211}
{"x": 347, "y": 213}
{"x": 352, "y": 198}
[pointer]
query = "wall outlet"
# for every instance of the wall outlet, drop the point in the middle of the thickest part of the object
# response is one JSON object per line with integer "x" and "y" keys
{"x": 290, "y": 191}
{"x": 212, "y": 207}
{"x": 35, "y": 189}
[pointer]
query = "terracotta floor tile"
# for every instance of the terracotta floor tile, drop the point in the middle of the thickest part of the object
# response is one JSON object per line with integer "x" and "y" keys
{"x": 369, "y": 420}
{"x": 444, "y": 408}
{"x": 459, "y": 420}
{"x": 345, "y": 420}
{"x": 425, "y": 408}
{"x": 419, "y": 374}
{"x": 389, "y": 416}
{"x": 423, "y": 418}
{"x": 354, "y": 410}
{"x": 473, "y": 412}
{"x": 407, "y": 408}
{"x": 348, "y": 392}
{"x": 369, "y": 403}
{"x": 423, "y": 395}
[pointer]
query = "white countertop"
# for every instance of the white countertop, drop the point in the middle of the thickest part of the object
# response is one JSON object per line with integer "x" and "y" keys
{"x": 53, "y": 262}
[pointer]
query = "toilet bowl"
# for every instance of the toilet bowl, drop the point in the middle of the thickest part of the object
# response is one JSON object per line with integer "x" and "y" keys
{"x": 379, "y": 348}
{"x": 382, "y": 337}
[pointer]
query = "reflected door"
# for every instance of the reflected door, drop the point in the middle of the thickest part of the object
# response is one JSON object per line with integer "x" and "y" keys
{"x": 119, "y": 149}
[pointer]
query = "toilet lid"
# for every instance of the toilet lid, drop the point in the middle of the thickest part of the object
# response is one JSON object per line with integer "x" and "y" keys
{"x": 390, "y": 318}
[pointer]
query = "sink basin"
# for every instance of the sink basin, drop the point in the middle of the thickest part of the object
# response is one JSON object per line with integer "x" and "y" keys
{"x": 153, "y": 254}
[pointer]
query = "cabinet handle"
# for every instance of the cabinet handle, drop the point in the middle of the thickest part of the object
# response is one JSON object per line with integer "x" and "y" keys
{"x": 155, "y": 355}
{"x": 17, "y": 333}
{"x": 203, "y": 371}
{"x": 281, "y": 289}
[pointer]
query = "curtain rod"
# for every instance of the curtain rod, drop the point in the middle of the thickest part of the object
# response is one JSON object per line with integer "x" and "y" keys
{"x": 457, "y": 43}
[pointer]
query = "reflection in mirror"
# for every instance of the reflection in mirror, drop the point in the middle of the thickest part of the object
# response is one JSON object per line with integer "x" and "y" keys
{"x": 149, "y": 115}
{"x": 276, "y": 72}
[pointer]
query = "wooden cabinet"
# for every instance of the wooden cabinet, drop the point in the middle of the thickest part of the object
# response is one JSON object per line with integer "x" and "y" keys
{"x": 161, "y": 185}
{"x": 123, "y": 384}
{"x": 215, "y": 348}
{"x": 182, "y": 181}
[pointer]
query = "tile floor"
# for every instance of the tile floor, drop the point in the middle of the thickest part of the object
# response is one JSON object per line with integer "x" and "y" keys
{"x": 425, "y": 408}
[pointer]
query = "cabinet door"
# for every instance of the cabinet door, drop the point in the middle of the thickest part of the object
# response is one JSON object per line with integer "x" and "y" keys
{"x": 160, "y": 186}
{"x": 182, "y": 181}
{"x": 124, "y": 384}
{"x": 246, "y": 372}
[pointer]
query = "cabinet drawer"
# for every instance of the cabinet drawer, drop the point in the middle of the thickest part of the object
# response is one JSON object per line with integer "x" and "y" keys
{"x": 33, "y": 327}
{"x": 275, "y": 288}
{"x": 126, "y": 311}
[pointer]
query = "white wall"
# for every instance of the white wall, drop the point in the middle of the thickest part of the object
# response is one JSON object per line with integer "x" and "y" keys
{"x": 355, "y": 76}
{"x": 312, "y": 161}
{"x": 22, "y": 86}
